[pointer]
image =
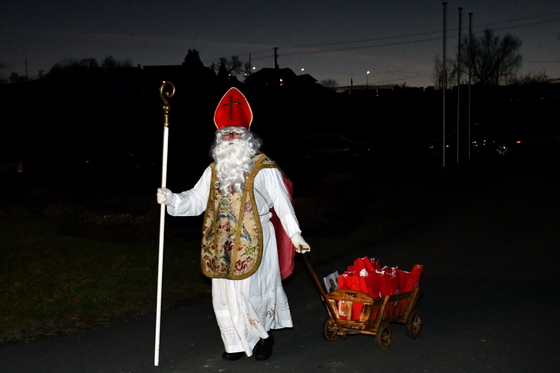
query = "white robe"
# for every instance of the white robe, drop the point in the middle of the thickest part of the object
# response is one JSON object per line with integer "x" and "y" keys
{"x": 247, "y": 309}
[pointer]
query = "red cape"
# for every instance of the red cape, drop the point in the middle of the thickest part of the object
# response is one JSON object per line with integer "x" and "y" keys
{"x": 286, "y": 250}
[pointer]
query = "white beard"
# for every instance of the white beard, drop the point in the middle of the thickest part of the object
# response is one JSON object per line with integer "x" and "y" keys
{"x": 233, "y": 161}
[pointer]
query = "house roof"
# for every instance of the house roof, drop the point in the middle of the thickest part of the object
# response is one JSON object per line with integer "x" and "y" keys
{"x": 279, "y": 77}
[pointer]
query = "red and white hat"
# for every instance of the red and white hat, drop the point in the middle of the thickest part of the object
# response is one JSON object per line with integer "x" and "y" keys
{"x": 233, "y": 110}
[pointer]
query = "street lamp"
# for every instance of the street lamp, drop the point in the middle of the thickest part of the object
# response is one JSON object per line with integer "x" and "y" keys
{"x": 367, "y": 78}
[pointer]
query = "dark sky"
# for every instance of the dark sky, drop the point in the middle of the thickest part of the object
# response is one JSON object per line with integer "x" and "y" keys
{"x": 396, "y": 41}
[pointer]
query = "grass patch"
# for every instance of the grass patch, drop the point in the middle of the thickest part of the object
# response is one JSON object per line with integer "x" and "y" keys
{"x": 52, "y": 283}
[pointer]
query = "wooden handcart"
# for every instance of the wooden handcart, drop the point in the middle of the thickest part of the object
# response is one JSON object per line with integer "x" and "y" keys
{"x": 375, "y": 317}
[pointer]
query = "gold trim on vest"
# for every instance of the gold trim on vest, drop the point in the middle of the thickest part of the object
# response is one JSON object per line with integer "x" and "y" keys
{"x": 232, "y": 241}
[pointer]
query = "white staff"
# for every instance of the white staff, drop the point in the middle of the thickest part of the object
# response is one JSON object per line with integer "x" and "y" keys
{"x": 164, "y": 95}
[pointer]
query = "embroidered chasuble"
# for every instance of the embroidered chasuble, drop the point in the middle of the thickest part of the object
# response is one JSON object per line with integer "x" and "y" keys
{"x": 232, "y": 238}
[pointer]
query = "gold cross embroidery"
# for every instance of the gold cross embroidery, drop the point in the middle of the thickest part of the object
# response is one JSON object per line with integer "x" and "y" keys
{"x": 230, "y": 104}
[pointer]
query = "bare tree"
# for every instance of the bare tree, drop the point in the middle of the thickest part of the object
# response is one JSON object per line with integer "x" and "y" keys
{"x": 16, "y": 78}
{"x": 90, "y": 63}
{"x": 329, "y": 83}
{"x": 492, "y": 58}
{"x": 247, "y": 68}
{"x": 438, "y": 77}
{"x": 110, "y": 63}
{"x": 69, "y": 66}
{"x": 231, "y": 65}
{"x": 531, "y": 78}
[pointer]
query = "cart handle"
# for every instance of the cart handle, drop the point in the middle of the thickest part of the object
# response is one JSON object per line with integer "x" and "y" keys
{"x": 319, "y": 286}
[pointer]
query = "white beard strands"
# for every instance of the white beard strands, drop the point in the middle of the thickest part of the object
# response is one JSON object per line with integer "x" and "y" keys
{"x": 233, "y": 161}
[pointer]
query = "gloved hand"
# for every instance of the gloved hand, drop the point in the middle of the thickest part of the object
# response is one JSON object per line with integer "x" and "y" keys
{"x": 302, "y": 247}
{"x": 165, "y": 196}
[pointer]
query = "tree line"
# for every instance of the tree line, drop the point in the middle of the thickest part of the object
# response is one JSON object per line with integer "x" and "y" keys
{"x": 70, "y": 66}
{"x": 74, "y": 66}
{"x": 490, "y": 58}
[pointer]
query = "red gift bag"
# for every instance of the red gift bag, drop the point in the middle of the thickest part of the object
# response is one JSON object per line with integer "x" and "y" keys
{"x": 382, "y": 282}
{"x": 352, "y": 281}
{"x": 364, "y": 263}
{"x": 408, "y": 281}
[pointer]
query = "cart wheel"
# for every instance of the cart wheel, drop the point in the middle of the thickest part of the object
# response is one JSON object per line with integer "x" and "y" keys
{"x": 384, "y": 336}
{"x": 414, "y": 324}
{"x": 331, "y": 330}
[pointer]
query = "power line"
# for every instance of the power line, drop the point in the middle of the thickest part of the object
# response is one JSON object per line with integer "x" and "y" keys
{"x": 268, "y": 50}
{"x": 525, "y": 25}
{"x": 364, "y": 40}
{"x": 415, "y": 35}
{"x": 542, "y": 61}
{"x": 411, "y": 36}
{"x": 362, "y": 47}
{"x": 451, "y": 35}
{"x": 522, "y": 19}
{"x": 424, "y": 33}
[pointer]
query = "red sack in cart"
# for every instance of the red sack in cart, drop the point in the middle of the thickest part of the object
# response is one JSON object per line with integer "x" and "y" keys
{"x": 382, "y": 282}
{"x": 366, "y": 263}
{"x": 408, "y": 281}
{"x": 348, "y": 281}
{"x": 358, "y": 277}
{"x": 351, "y": 281}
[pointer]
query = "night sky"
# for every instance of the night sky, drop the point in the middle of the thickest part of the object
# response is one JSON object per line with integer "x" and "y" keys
{"x": 397, "y": 41}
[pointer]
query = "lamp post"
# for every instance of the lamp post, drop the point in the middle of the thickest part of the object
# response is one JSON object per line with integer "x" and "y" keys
{"x": 367, "y": 79}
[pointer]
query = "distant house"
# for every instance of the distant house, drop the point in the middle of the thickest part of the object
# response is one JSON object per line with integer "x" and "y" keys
{"x": 200, "y": 79}
{"x": 271, "y": 77}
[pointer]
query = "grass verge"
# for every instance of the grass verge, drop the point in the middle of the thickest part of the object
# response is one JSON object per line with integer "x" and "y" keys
{"x": 52, "y": 283}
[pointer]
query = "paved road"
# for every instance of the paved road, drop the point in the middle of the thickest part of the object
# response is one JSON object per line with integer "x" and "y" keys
{"x": 491, "y": 302}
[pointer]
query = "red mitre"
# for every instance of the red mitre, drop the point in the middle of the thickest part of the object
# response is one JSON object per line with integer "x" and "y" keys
{"x": 233, "y": 110}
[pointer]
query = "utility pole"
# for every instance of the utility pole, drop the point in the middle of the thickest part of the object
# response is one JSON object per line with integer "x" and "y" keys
{"x": 459, "y": 81}
{"x": 276, "y": 58}
{"x": 26, "y": 71}
{"x": 470, "y": 78}
{"x": 444, "y": 80}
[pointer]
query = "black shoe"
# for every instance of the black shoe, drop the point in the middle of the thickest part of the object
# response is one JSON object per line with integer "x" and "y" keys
{"x": 263, "y": 349}
{"x": 231, "y": 356}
